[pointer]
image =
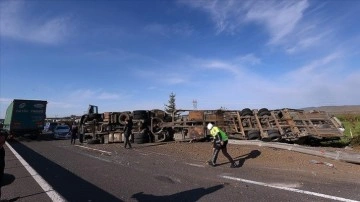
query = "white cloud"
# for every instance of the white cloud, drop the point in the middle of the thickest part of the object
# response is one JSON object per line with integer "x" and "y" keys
{"x": 282, "y": 20}
{"x": 316, "y": 66}
{"x": 226, "y": 14}
{"x": 249, "y": 59}
{"x": 279, "y": 17}
{"x": 17, "y": 25}
{"x": 221, "y": 65}
{"x": 237, "y": 66}
{"x": 323, "y": 81}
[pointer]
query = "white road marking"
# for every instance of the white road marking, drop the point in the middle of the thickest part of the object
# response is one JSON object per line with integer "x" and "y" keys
{"x": 109, "y": 153}
{"x": 54, "y": 196}
{"x": 95, "y": 157}
{"x": 290, "y": 189}
{"x": 196, "y": 165}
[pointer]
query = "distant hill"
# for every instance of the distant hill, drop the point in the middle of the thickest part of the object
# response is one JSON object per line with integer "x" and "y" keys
{"x": 346, "y": 109}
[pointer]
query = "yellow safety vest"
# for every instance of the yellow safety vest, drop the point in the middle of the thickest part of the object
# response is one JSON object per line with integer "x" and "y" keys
{"x": 215, "y": 130}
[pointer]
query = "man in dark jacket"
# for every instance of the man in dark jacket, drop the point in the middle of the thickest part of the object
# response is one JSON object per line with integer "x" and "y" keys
{"x": 127, "y": 131}
{"x": 74, "y": 131}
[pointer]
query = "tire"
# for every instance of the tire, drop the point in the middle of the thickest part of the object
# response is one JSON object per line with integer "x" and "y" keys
{"x": 246, "y": 112}
{"x": 254, "y": 135}
{"x": 140, "y": 114}
{"x": 123, "y": 117}
{"x": 157, "y": 121}
{"x": 325, "y": 126}
{"x": 141, "y": 138}
{"x": 274, "y": 135}
{"x": 263, "y": 112}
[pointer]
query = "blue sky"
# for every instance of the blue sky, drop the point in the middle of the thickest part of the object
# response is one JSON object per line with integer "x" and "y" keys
{"x": 127, "y": 55}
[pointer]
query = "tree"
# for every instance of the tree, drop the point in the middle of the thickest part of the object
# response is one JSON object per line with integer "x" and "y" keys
{"x": 171, "y": 106}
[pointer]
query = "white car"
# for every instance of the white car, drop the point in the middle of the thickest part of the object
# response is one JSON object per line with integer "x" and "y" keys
{"x": 62, "y": 132}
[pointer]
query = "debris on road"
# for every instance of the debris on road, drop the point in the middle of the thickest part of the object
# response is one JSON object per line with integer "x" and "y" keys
{"x": 322, "y": 162}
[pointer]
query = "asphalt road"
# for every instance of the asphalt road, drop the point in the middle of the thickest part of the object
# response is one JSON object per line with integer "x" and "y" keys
{"x": 113, "y": 173}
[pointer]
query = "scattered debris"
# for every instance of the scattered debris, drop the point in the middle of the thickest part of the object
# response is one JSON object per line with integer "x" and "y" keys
{"x": 322, "y": 162}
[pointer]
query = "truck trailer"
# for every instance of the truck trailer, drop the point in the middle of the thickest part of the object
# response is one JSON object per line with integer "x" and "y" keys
{"x": 279, "y": 125}
{"x": 25, "y": 117}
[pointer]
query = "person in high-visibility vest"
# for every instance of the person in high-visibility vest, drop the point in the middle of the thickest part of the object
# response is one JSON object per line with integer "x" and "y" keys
{"x": 220, "y": 142}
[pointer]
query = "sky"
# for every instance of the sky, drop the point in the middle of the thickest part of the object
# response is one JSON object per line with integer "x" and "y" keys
{"x": 125, "y": 55}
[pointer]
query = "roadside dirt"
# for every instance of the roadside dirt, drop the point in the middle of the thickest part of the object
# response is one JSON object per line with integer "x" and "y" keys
{"x": 255, "y": 156}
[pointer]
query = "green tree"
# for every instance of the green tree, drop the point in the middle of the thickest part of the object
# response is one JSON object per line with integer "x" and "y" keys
{"x": 171, "y": 106}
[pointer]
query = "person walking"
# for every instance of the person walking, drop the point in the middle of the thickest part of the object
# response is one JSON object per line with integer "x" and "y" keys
{"x": 220, "y": 142}
{"x": 127, "y": 131}
{"x": 74, "y": 131}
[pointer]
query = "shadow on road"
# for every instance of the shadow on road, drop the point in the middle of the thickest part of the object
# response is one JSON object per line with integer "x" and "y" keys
{"x": 7, "y": 179}
{"x": 70, "y": 186}
{"x": 190, "y": 195}
{"x": 253, "y": 154}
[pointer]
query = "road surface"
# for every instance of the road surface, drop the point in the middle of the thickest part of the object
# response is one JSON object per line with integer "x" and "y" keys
{"x": 171, "y": 172}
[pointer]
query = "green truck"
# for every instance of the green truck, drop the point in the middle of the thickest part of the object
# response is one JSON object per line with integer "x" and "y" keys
{"x": 25, "y": 117}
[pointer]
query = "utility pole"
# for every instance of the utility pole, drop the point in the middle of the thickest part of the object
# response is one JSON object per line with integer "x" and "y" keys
{"x": 194, "y": 104}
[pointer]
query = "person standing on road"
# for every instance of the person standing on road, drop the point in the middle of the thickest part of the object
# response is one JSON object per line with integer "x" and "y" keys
{"x": 74, "y": 131}
{"x": 3, "y": 137}
{"x": 220, "y": 142}
{"x": 127, "y": 131}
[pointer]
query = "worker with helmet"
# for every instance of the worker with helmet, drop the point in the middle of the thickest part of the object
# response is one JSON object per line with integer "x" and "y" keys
{"x": 220, "y": 141}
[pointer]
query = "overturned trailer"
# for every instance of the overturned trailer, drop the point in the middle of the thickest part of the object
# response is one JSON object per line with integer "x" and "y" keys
{"x": 288, "y": 125}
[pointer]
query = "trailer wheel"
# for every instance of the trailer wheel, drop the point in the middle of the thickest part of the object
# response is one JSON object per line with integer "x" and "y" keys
{"x": 140, "y": 114}
{"x": 274, "y": 135}
{"x": 325, "y": 126}
{"x": 140, "y": 138}
{"x": 263, "y": 112}
{"x": 123, "y": 117}
{"x": 246, "y": 112}
{"x": 254, "y": 135}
